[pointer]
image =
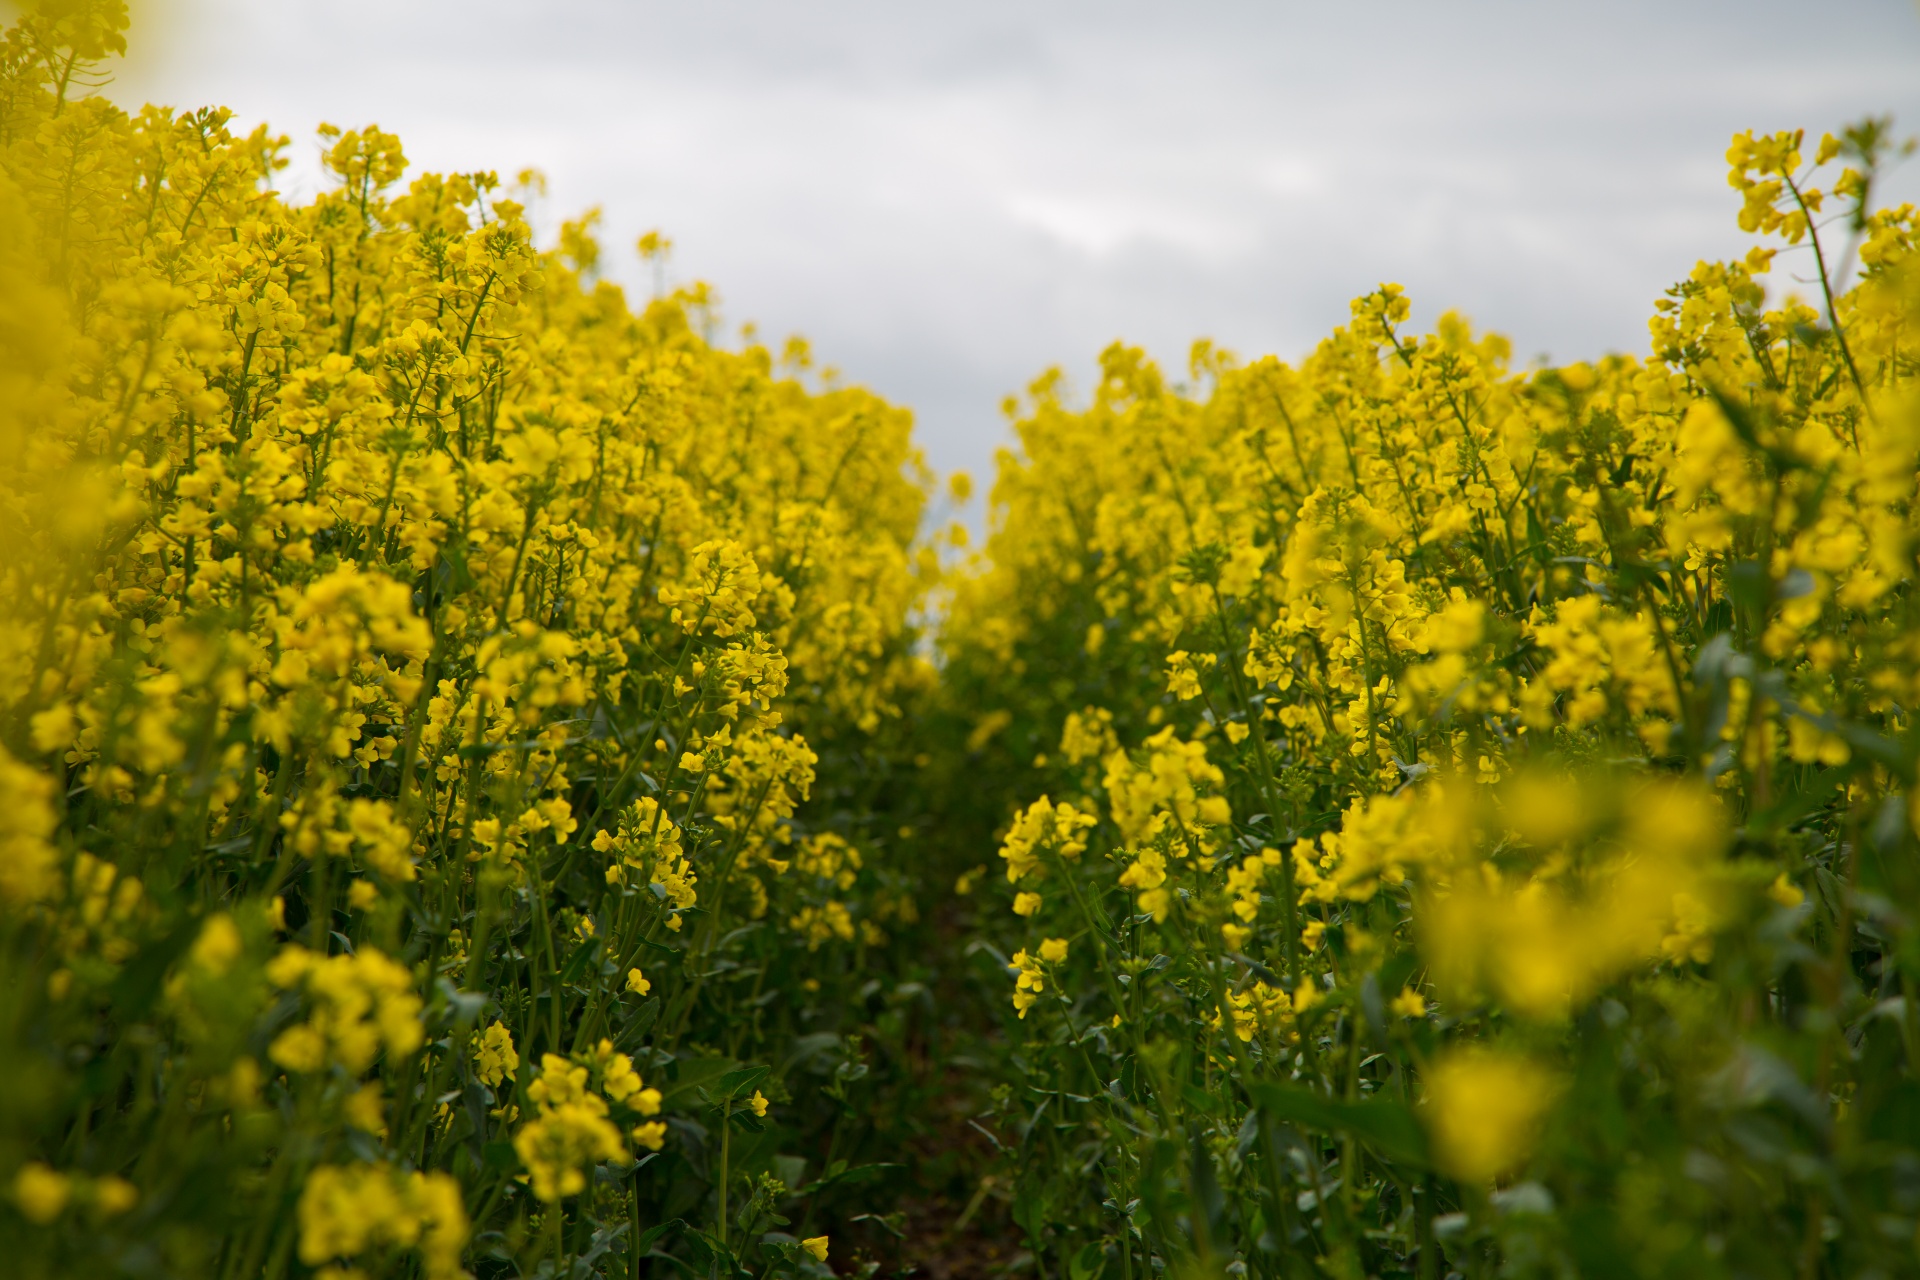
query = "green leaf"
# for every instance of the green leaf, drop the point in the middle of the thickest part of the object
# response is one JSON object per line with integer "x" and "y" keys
{"x": 1088, "y": 1263}
{"x": 690, "y": 1076}
{"x": 889, "y": 1223}
{"x": 577, "y": 962}
{"x": 636, "y": 1027}
{"x": 654, "y": 1233}
{"x": 740, "y": 1082}
{"x": 1389, "y": 1127}
{"x": 709, "y": 1255}
{"x": 840, "y": 1176}
{"x": 452, "y": 577}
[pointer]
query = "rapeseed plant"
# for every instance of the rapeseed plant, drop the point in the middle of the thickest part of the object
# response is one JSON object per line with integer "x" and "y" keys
{"x": 416, "y": 669}
{"x": 1492, "y": 793}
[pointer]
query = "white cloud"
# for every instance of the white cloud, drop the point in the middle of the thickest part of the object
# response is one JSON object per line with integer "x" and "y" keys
{"x": 1096, "y": 226}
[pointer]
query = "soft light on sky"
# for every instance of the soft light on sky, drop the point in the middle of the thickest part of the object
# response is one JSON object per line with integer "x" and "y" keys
{"x": 947, "y": 199}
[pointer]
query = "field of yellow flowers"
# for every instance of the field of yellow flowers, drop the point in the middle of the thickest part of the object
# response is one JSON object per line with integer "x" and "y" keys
{"x": 494, "y": 783}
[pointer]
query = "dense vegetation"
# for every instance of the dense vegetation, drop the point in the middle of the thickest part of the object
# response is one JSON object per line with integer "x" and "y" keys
{"x": 480, "y": 792}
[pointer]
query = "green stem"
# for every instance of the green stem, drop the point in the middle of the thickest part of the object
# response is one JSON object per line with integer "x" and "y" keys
{"x": 726, "y": 1133}
{"x": 1826, "y": 292}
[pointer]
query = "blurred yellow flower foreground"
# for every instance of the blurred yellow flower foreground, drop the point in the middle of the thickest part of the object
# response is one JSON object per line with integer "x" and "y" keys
{"x": 493, "y": 783}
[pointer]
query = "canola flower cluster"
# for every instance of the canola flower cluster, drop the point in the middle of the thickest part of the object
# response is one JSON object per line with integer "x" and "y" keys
{"x": 410, "y": 647}
{"x": 1477, "y": 808}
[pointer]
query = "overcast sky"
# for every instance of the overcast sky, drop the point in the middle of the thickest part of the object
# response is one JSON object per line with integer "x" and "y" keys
{"x": 948, "y": 198}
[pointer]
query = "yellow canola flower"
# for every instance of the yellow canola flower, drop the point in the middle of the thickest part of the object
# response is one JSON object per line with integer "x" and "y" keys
{"x": 820, "y": 924}
{"x": 1169, "y": 783}
{"x": 1243, "y": 887}
{"x": 829, "y": 857}
{"x": 1184, "y": 671}
{"x": 1785, "y": 892}
{"x": 1264, "y": 1009}
{"x": 724, "y": 581}
{"x": 1484, "y": 1108}
{"x": 1029, "y": 980}
{"x": 619, "y": 1081}
{"x": 1043, "y": 827}
{"x": 1088, "y": 734}
{"x": 1148, "y": 874}
{"x": 494, "y": 1058}
{"x": 1380, "y": 840}
{"x": 359, "y": 1005}
{"x": 28, "y": 862}
{"x": 1409, "y": 1004}
{"x": 41, "y": 1193}
{"x": 366, "y": 1109}
{"x": 114, "y": 1195}
{"x": 346, "y": 1211}
{"x": 1543, "y": 942}
{"x": 570, "y": 1132}
{"x": 816, "y": 1247}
